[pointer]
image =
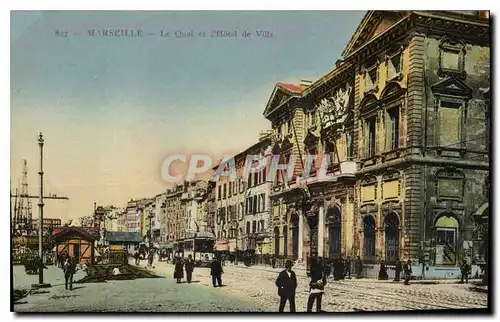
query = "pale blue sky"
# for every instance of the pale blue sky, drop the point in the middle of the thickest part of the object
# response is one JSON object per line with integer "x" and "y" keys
{"x": 112, "y": 108}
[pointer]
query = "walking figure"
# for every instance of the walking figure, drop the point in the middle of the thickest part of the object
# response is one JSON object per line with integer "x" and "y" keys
{"x": 189, "y": 267}
{"x": 348, "y": 268}
{"x": 216, "y": 272}
{"x": 382, "y": 273}
{"x": 316, "y": 286}
{"x": 407, "y": 271}
{"x": 178, "y": 271}
{"x": 69, "y": 269}
{"x": 287, "y": 284}
{"x": 136, "y": 257}
{"x": 397, "y": 270}
{"x": 151, "y": 256}
{"x": 359, "y": 267}
{"x": 464, "y": 272}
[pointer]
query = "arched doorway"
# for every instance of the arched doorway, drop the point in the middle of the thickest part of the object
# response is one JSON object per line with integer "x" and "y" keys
{"x": 334, "y": 232}
{"x": 285, "y": 240}
{"x": 295, "y": 235}
{"x": 369, "y": 238}
{"x": 276, "y": 241}
{"x": 391, "y": 225}
{"x": 446, "y": 228}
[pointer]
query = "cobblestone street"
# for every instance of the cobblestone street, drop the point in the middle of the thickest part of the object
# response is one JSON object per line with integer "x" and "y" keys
{"x": 257, "y": 286}
{"x": 141, "y": 295}
{"x": 244, "y": 290}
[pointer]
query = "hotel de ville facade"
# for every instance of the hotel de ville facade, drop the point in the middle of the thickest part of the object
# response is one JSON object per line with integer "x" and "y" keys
{"x": 404, "y": 116}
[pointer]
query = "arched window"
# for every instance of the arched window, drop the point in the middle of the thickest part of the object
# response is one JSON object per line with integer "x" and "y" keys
{"x": 334, "y": 232}
{"x": 295, "y": 235}
{"x": 369, "y": 238}
{"x": 285, "y": 240}
{"x": 391, "y": 225}
{"x": 446, "y": 240}
{"x": 276, "y": 241}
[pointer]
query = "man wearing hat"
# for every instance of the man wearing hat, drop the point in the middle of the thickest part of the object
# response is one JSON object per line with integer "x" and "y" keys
{"x": 287, "y": 284}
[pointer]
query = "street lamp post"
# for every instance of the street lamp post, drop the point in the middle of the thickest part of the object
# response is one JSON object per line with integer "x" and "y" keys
{"x": 40, "y": 212}
{"x": 40, "y": 218}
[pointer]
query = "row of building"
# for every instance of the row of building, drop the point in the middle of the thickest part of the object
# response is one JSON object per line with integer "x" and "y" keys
{"x": 404, "y": 116}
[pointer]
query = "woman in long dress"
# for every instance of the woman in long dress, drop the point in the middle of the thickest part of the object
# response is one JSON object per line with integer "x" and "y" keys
{"x": 178, "y": 270}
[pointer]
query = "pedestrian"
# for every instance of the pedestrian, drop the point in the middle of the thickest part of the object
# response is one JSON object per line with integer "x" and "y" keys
{"x": 189, "y": 267}
{"x": 359, "y": 267}
{"x": 398, "y": 269}
{"x": 464, "y": 272}
{"x": 273, "y": 261}
{"x": 336, "y": 269}
{"x": 341, "y": 268}
{"x": 382, "y": 273}
{"x": 69, "y": 270}
{"x": 287, "y": 284}
{"x": 348, "y": 267}
{"x": 137, "y": 258}
{"x": 151, "y": 258}
{"x": 178, "y": 271}
{"x": 216, "y": 272}
{"x": 407, "y": 271}
{"x": 316, "y": 286}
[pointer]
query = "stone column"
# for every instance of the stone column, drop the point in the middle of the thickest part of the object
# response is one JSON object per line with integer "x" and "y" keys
{"x": 321, "y": 230}
{"x": 301, "y": 235}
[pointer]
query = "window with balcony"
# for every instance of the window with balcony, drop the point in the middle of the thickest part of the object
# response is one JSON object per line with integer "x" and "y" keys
{"x": 370, "y": 135}
{"x": 392, "y": 129}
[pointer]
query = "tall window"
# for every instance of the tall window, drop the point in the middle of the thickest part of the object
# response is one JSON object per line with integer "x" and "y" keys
{"x": 350, "y": 145}
{"x": 254, "y": 226}
{"x": 248, "y": 227}
{"x": 224, "y": 195}
{"x": 370, "y": 125}
{"x": 369, "y": 238}
{"x": 392, "y": 129}
{"x": 262, "y": 225}
{"x": 449, "y": 124}
{"x": 219, "y": 194}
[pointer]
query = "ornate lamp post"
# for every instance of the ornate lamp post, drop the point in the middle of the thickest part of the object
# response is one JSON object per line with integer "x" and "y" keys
{"x": 40, "y": 216}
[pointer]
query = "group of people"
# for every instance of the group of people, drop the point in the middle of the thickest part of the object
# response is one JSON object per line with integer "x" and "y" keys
{"x": 181, "y": 264}
{"x": 320, "y": 270}
{"x": 150, "y": 256}
{"x": 287, "y": 285}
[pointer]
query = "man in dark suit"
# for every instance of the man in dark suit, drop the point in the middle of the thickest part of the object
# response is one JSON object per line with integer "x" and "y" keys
{"x": 287, "y": 284}
{"x": 189, "y": 267}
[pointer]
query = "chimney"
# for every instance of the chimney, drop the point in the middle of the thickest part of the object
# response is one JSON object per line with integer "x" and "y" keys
{"x": 304, "y": 84}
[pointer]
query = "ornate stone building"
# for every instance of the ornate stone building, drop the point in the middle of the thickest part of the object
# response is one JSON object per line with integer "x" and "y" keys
{"x": 404, "y": 119}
